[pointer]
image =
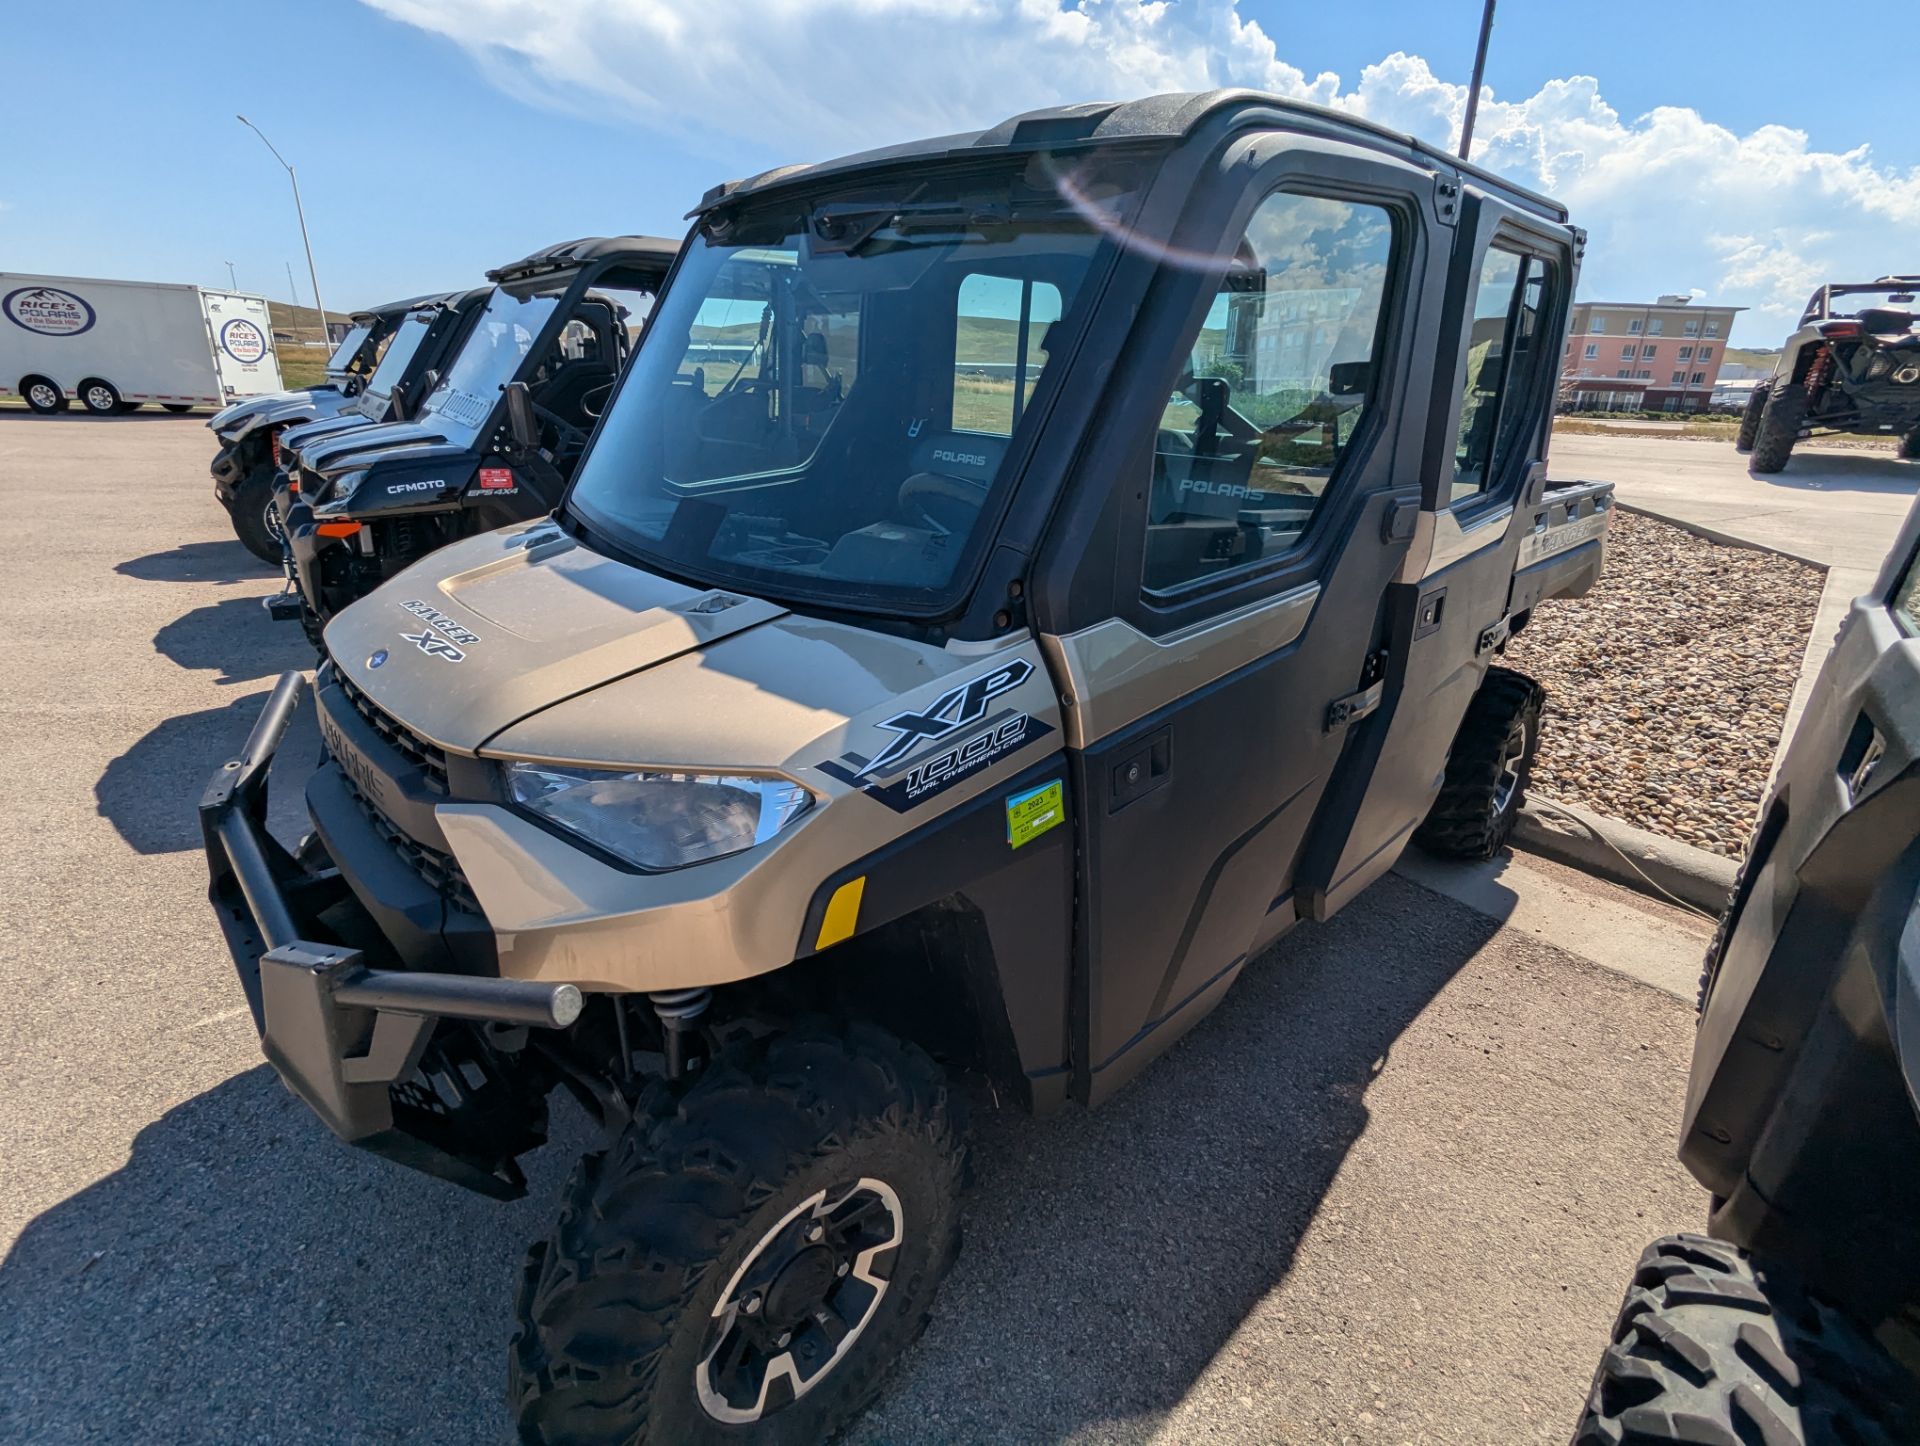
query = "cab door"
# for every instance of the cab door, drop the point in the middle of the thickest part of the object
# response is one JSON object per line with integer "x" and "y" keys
{"x": 1504, "y": 317}
{"x": 1212, "y": 698}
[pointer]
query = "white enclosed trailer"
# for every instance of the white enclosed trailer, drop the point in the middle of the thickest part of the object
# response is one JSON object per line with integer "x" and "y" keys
{"x": 112, "y": 345}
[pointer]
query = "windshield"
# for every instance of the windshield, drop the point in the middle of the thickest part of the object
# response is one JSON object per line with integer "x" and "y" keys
{"x": 400, "y": 352}
{"x": 342, "y": 359}
{"x": 1893, "y": 298}
{"x": 825, "y": 397}
{"x": 491, "y": 354}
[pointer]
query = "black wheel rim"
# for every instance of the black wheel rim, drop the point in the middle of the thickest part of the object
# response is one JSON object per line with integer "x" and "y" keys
{"x": 803, "y": 1296}
{"x": 1513, "y": 760}
{"x": 270, "y": 518}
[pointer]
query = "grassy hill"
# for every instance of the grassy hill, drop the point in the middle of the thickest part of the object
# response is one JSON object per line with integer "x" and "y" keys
{"x": 1753, "y": 356}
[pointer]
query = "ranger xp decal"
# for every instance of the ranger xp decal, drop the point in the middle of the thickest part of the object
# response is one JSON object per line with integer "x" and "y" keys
{"x": 449, "y": 642}
{"x": 940, "y": 764}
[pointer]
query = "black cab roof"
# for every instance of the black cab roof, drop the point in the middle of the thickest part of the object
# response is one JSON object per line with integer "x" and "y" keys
{"x": 648, "y": 252}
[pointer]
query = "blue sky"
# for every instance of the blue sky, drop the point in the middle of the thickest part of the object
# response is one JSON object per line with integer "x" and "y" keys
{"x": 435, "y": 138}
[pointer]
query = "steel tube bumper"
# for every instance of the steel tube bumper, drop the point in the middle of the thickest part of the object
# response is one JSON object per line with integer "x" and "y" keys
{"x": 337, "y": 1031}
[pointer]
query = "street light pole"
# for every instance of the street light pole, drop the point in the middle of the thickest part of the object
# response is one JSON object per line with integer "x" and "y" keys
{"x": 233, "y": 283}
{"x": 1479, "y": 69}
{"x": 313, "y": 273}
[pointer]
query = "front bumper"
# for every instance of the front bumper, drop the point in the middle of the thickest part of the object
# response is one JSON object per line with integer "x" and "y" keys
{"x": 339, "y": 1032}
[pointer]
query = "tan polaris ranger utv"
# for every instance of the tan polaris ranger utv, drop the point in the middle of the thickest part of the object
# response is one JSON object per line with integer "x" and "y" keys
{"x": 1020, "y": 575}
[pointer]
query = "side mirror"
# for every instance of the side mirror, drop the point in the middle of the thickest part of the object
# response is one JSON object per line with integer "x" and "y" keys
{"x": 522, "y": 425}
{"x": 1350, "y": 379}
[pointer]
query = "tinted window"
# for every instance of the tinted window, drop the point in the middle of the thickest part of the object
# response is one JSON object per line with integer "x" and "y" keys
{"x": 999, "y": 347}
{"x": 1503, "y": 359}
{"x": 1276, "y": 385}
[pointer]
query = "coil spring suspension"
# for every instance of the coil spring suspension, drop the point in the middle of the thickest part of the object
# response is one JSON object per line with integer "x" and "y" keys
{"x": 678, "y": 1010}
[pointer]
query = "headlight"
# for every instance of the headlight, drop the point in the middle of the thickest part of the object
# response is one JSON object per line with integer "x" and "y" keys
{"x": 659, "y": 820}
{"x": 340, "y": 492}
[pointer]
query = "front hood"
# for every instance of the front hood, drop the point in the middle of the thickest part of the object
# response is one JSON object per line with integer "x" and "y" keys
{"x": 276, "y": 409}
{"x": 313, "y": 433}
{"x": 492, "y": 629}
{"x": 362, "y": 446}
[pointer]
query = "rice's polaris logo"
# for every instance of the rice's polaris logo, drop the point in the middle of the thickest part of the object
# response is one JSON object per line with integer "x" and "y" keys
{"x": 48, "y": 311}
{"x": 965, "y": 459}
{"x": 243, "y": 341}
{"x": 951, "y": 711}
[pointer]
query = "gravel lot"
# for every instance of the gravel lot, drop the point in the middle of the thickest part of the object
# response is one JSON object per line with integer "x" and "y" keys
{"x": 1391, "y": 1191}
{"x": 1668, "y": 683}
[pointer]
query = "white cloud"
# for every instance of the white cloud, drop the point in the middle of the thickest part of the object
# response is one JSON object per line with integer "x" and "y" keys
{"x": 1672, "y": 201}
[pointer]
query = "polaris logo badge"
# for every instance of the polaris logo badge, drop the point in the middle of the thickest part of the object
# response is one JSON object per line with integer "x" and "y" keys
{"x": 966, "y": 459}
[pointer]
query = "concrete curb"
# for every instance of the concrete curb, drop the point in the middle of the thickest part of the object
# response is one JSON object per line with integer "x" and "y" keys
{"x": 1594, "y": 844}
{"x": 1714, "y": 534}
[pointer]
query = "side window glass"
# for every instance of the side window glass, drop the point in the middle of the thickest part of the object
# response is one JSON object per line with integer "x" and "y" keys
{"x": 999, "y": 349}
{"x": 1503, "y": 359}
{"x": 1276, "y": 386}
{"x": 1906, "y": 598}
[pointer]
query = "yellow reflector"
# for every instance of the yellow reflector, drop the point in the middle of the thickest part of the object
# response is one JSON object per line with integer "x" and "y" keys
{"x": 843, "y": 913}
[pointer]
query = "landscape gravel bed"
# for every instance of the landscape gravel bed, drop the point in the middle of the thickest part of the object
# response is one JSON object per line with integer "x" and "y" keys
{"x": 1667, "y": 684}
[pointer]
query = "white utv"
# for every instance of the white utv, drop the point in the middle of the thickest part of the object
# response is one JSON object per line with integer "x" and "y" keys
{"x": 1019, "y": 577}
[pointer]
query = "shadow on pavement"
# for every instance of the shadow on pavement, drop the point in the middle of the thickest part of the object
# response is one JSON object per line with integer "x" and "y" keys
{"x": 150, "y": 792}
{"x": 243, "y": 1276}
{"x": 1853, "y": 471}
{"x": 235, "y": 639}
{"x": 198, "y": 562}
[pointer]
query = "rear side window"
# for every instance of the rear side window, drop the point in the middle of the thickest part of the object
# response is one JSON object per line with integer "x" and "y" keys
{"x": 1276, "y": 386}
{"x": 999, "y": 348}
{"x": 1503, "y": 358}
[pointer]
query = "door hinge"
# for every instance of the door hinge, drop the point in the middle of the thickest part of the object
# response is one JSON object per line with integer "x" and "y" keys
{"x": 1355, "y": 706}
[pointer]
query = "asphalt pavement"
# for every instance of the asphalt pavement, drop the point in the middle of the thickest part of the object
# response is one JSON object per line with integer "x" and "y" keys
{"x": 1390, "y": 1191}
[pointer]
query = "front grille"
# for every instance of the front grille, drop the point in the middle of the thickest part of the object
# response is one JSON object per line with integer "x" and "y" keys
{"x": 440, "y": 871}
{"x": 430, "y": 760}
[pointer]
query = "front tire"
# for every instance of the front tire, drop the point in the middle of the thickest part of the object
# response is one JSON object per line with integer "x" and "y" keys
{"x": 1487, "y": 769}
{"x": 1910, "y": 446}
{"x": 1780, "y": 422}
{"x": 1750, "y": 418}
{"x": 1711, "y": 1346}
{"x": 255, "y": 522}
{"x": 100, "y": 398}
{"x": 43, "y": 396}
{"x": 754, "y": 1255}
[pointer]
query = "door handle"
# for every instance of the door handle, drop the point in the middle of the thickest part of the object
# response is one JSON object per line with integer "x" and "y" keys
{"x": 1140, "y": 770}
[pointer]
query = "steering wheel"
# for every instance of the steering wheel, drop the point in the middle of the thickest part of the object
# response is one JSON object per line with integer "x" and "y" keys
{"x": 943, "y": 503}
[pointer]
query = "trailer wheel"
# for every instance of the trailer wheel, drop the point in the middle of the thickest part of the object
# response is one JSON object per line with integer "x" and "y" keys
{"x": 255, "y": 522}
{"x": 1487, "y": 769}
{"x": 1779, "y": 429}
{"x": 1750, "y": 418}
{"x": 1711, "y": 1345}
{"x": 43, "y": 396}
{"x": 100, "y": 398}
{"x": 748, "y": 1259}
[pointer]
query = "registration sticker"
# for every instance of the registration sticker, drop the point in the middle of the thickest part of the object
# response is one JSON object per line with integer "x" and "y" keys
{"x": 1033, "y": 812}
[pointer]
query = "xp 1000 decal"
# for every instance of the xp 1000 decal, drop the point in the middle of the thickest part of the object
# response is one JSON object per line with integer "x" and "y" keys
{"x": 946, "y": 758}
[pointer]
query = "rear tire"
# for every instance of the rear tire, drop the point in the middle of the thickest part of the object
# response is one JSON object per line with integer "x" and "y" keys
{"x": 1910, "y": 446}
{"x": 100, "y": 398}
{"x": 1750, "y": 418}
{"x": 1711, "y": 1347}
{"x": 1487, "y": 769}
{"x": 43, "y": 396}
{"x": 252, "y": 503}
{"x": 642, "y": 1318}
{"x": 1780, "y": 422}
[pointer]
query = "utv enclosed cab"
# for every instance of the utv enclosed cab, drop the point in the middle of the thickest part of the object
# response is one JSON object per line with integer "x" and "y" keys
{"x": 1801, "y": 1313}
{"x": 1852, "y": 368}
{"x": 495, "y": 439}
{"x": 251, "y": 432}
{"x": 1018, "y": 577}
